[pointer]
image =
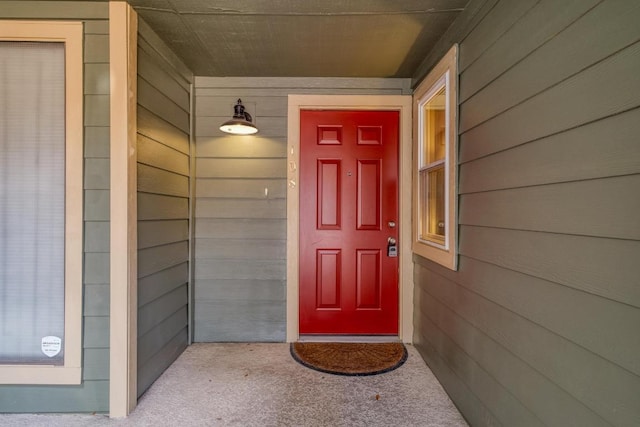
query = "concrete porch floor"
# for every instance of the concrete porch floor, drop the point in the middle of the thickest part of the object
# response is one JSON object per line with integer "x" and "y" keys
{"x": 261, "y": 385}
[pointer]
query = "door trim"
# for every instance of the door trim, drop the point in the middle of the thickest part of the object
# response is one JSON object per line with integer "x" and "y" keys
{"x": 401, "y": 103}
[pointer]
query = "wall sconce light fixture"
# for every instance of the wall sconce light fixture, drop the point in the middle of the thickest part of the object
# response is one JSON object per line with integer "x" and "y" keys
{"x": 241, "y": 123}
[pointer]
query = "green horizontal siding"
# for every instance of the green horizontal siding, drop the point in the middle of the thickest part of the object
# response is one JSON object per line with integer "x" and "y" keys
{"x": 163, "y": 206}
{"x": 539, "y": 325}
{"x": 240, "y": 230}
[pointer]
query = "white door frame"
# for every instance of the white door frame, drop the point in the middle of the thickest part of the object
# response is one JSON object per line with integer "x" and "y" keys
{"x": 401, "y": 103}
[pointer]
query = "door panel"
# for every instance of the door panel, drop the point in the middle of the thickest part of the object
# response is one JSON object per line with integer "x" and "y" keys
{"x": 348, "y": 197}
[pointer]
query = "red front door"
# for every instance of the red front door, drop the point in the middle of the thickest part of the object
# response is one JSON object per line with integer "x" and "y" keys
{"x": 348, "y": 213}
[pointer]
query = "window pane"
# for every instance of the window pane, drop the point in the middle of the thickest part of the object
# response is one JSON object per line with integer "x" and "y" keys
{"x": 32, "y": 216}
{"x": 432, "y": 205}
{"x": 436, "y": 202}
{"x": 435, "y": 127}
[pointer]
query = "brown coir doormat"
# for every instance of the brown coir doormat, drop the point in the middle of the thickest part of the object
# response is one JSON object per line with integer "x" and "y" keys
{"x": 357, "y": 359}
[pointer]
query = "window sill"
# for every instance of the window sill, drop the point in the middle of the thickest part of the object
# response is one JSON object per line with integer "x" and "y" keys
{"x": 445, "y": 257}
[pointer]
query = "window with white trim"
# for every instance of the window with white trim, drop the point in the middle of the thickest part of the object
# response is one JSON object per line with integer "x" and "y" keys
{"x": 41, "y": 202}
{"x": 435, "y": 168}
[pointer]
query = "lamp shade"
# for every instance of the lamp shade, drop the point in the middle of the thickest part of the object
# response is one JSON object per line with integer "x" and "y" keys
{"x": 241, "y": 123}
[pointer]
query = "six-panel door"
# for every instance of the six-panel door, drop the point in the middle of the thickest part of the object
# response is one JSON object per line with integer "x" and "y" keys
{"x": 348, "y": 213}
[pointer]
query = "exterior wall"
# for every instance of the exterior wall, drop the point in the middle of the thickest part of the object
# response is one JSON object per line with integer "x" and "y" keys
{"x": 93, "y": 394}
{"x": 240, "y": 232}
{"x": 540, "y": 324}
{"x": 164, "y": 104}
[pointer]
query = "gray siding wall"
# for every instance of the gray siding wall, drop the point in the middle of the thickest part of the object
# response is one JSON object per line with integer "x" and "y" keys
{"x": 540, "y": 325}
{"x": 164, "y": 104}
{"x": 93, "y": 394}
{"x": 240, "y": 233}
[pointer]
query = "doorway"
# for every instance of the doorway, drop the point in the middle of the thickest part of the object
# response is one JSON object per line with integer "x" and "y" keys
{"x": 348, "y": 222}
{"x": 403, "y": 268}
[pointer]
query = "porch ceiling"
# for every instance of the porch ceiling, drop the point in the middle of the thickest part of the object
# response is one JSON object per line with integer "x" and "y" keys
{"x": 297, "y": 38}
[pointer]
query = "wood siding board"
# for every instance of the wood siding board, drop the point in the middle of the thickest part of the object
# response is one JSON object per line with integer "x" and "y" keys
{"x": 158, "y": 258}
{"x": 59, "y": 10}
{"x": 608, "y": 27}
{"x": 263, "y": 106}
{"x": 292, "y": 84}
{"x": 541, "y": 24}
{"x": 157, "y": 181}
{"x": 155, "y": 128}
{"x": 157, "y": 207}
{"x": 608, "y": 390}
{"x": 159, "y": 155}
{"x": 605, "y": 267}
{"x": 500, "y": 406}
{"x": 244, "y": 321}
{"x": 248, "y": 249}
{"x": 96, "y": 27}
{"x": 96, "y": 332}
{"x": 96, "y": 48}
{"x": 149, "y": 39}
{"x": 545, "y": 299}
{"x": 161, "y": 79}
{"x": 267, "y": 126}
{"x": 96, "y": 142}
{"x": 241, "y": 188}
{"x": 581, "y": 99}
{"x": 149, "y": 372}
{"x": 158, "y": 284}
{"x": 464, "y": 24}
{"x": 156, "y": 233}
{"x": 552, "y": 404}
{"x": 96, "y": 300}
{"x": 588, "y": 324}
{"x": 241, "y": 289}
{"x": 475, "y": 412}
{"x": 96, "y": 205}
{"x": 241, "y": 208}
{"x": 96, "y": 79}
{"x": 159, "y": 309}
{"x": 96, "y": 110}
{"x": 95, "y": 364}
{"x": 163, "y": 176}
{"x": 599, "y": 208}
{"x": 96, "y": 236}
{"x": 96, "y": 268}
{"x": 502, "y": 18}
{"x": 241, "y": 168}
{"x": 160, "y": 104}
{"x": 90, "y": 396}
{"x": 248, "y": 228}
{"x": 234, "y": 146}
{"x": 96, "y": 174}
{"x": 587, "y": 152}
{"x": 244, "y": 93}
{"x": 152, "y": 342}
{"x": 239, "y": 269}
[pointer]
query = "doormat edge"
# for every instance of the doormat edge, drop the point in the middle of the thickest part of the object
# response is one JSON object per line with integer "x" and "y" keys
{"x": 403, "y": 359}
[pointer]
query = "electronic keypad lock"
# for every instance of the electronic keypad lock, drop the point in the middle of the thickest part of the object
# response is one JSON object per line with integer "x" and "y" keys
{"x": 392, "y": 247}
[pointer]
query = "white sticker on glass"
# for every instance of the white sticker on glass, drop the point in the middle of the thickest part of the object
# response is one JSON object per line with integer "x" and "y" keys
{"x": 51, "y": 345}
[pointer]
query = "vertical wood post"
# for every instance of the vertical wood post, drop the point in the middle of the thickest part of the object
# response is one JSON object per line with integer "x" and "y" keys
{"x": 123, "y": 216}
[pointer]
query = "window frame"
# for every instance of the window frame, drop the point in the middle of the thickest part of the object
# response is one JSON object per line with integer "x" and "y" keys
{"x": 443, "y": 75}
{"x": 71, "y": 34}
